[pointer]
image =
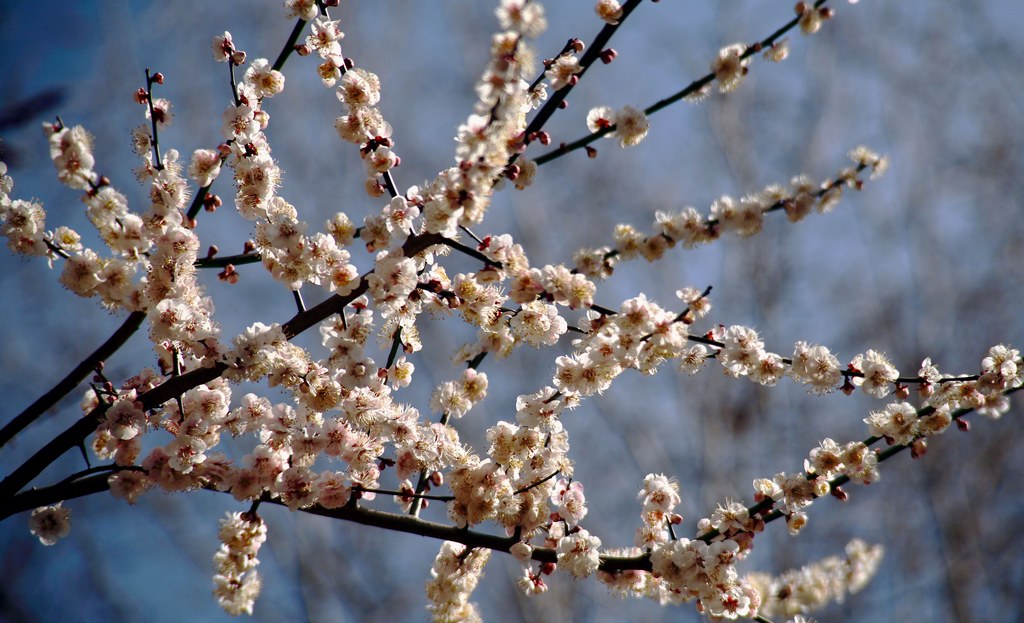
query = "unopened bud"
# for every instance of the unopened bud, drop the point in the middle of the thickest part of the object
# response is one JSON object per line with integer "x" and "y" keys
{"x": 848, "y": 387}
{"x": 902, "y": 391}
{"x": 211, "y": 202}
{"x": 924, "y": 390}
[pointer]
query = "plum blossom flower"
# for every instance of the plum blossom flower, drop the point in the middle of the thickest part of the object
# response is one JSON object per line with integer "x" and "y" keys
{"x": 359, "y": 88}
{"x": 205, "y": 166}
{"x": 563, "y": 70}
{"x": 578, "y": 553}
{"x": 324, "y": 37}
{"x": 610, "y": 11}
{"x": 1001, "y": 369}
{"x": 50, "y": 523}
{"x": 897, "y": 422}
{"x": 816, "y": 367}
{"x": 600, "y": 118}
{"x": 570, "y": 502}
{"x": 631, "y": 126}
{"x": 879, "y": 373}
{"x": 223, "y": 47}
{"x": 538, "y": 323}
{"x": 523, "y": 16}
{"x": 659, "y": 494}
{"x": 730, "y": 67}
{"x": 267, "y": 81}
{"x": 302, "y": 9}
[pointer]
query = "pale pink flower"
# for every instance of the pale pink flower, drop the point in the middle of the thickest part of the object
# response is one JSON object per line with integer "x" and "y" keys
{"x": 610, "y": 11}
{"x": 600, "y": 118}
{"x": 523, "y": 16}
{"x": 729, "y": 67}
{"x": 359, "y": 88}
{"x": 570, "y": 502}
{"x": 324, "y": 37}
{"x": 267, "y": 81}
{"x": 631, "y": 126}
{"x": 897, "y": 422}
{"x": 302, "y": 9}
{"x": 659, "y": 493}
{"x": 50, "y": 523}
{"x": 879, "y": 373}
{"x": 223, "y": 47}
{"x": 578, "y": 553}
{"x": 205, "y": 166}
{"x": 563, "y": 71}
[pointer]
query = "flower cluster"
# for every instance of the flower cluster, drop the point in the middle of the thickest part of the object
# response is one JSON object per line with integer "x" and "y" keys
{"x": 22, "y": 222}
{"x": 342, "y": 405}
{"x": 743, "y": 217}
{"x": 694, "y": 569}
{"x": 660, "y": 496}
{"x": 456, "y": 572}
{"x": 630, "y": 125}
{"x": 364, "y": 125}
{"x": 485, "y": 143}
{"x": 236, "y": 584}
{"x": 808, "y": 588}
{"x": 578, "y": 551}
{"x": 899, "y": 423}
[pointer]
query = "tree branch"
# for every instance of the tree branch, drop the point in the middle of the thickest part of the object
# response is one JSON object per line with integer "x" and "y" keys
{"x": 73, "y": 378}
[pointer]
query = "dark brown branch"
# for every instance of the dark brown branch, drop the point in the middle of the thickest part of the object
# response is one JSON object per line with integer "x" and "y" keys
{"x": 412, "y": 524}
{"x": 691, "y": 89}
{"x": 289, "y": 45}
{"x": 222, "y": 262}
{"x": 72, "y": 380}
{"x": 589, "y": 57}
{"x": 174, "y": 387}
